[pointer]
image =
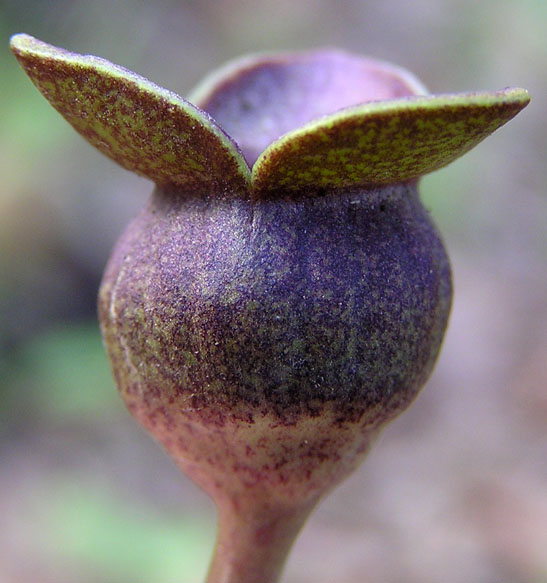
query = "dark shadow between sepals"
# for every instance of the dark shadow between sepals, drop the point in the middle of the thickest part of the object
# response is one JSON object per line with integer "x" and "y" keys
{"x": 141, "y": 126}
{"x": 382, "y": 142}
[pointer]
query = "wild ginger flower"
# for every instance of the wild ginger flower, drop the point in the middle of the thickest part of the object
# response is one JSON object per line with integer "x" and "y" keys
{"x": 284, "y": 293}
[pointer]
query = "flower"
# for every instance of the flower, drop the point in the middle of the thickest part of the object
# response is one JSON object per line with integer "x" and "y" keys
{"x": 283, "y": 294}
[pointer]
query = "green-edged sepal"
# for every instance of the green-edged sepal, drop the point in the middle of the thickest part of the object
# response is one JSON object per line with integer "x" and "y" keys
{"x": 143, "y": 127}
{"x": 383, "y": 142}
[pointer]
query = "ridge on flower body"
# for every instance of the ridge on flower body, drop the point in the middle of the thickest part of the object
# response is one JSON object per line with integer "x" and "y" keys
{"x": 283, "y": 294}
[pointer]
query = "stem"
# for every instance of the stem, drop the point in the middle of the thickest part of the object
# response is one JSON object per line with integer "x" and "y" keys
{"x": 253, "y": 543}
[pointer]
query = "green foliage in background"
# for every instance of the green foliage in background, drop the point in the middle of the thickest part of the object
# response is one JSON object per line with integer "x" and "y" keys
{"x": 118, "y": 542}
{"x": 61, "y": 372}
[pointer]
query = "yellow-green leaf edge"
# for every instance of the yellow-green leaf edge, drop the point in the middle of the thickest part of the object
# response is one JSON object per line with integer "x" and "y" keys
{"x": 145, "y": 128}
{"x": 382, "y": 142}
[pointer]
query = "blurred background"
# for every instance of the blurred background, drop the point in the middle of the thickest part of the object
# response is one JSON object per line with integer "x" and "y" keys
{"x": 455, "y": 490}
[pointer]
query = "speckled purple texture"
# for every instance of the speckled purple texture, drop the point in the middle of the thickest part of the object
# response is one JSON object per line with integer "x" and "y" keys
{"x": 280, "y": 306}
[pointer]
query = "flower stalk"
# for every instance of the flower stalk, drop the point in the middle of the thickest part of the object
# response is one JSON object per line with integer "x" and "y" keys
{"x": 253, "y": 541}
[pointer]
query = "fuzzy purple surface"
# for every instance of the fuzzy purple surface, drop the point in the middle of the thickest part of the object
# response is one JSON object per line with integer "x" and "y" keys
{"x": 280, "y": 306}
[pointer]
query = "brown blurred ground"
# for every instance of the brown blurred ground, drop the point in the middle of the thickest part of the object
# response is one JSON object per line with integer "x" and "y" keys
{"x": 454, "y": 491}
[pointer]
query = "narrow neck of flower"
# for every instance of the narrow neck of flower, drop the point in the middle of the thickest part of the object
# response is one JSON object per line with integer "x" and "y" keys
{"x": 254, "y": 541}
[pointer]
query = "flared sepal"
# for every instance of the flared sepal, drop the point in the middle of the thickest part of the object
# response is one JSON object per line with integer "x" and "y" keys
{"x": 382, "y": 142}
{"x": 143, "y": 127}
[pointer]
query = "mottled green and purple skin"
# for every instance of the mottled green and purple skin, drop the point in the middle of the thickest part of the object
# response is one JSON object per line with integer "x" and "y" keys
{"x": 284, "y": 293}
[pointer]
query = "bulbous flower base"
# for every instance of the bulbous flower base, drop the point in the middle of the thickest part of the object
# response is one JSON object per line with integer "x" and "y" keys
{"x": 265, "y": 343}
